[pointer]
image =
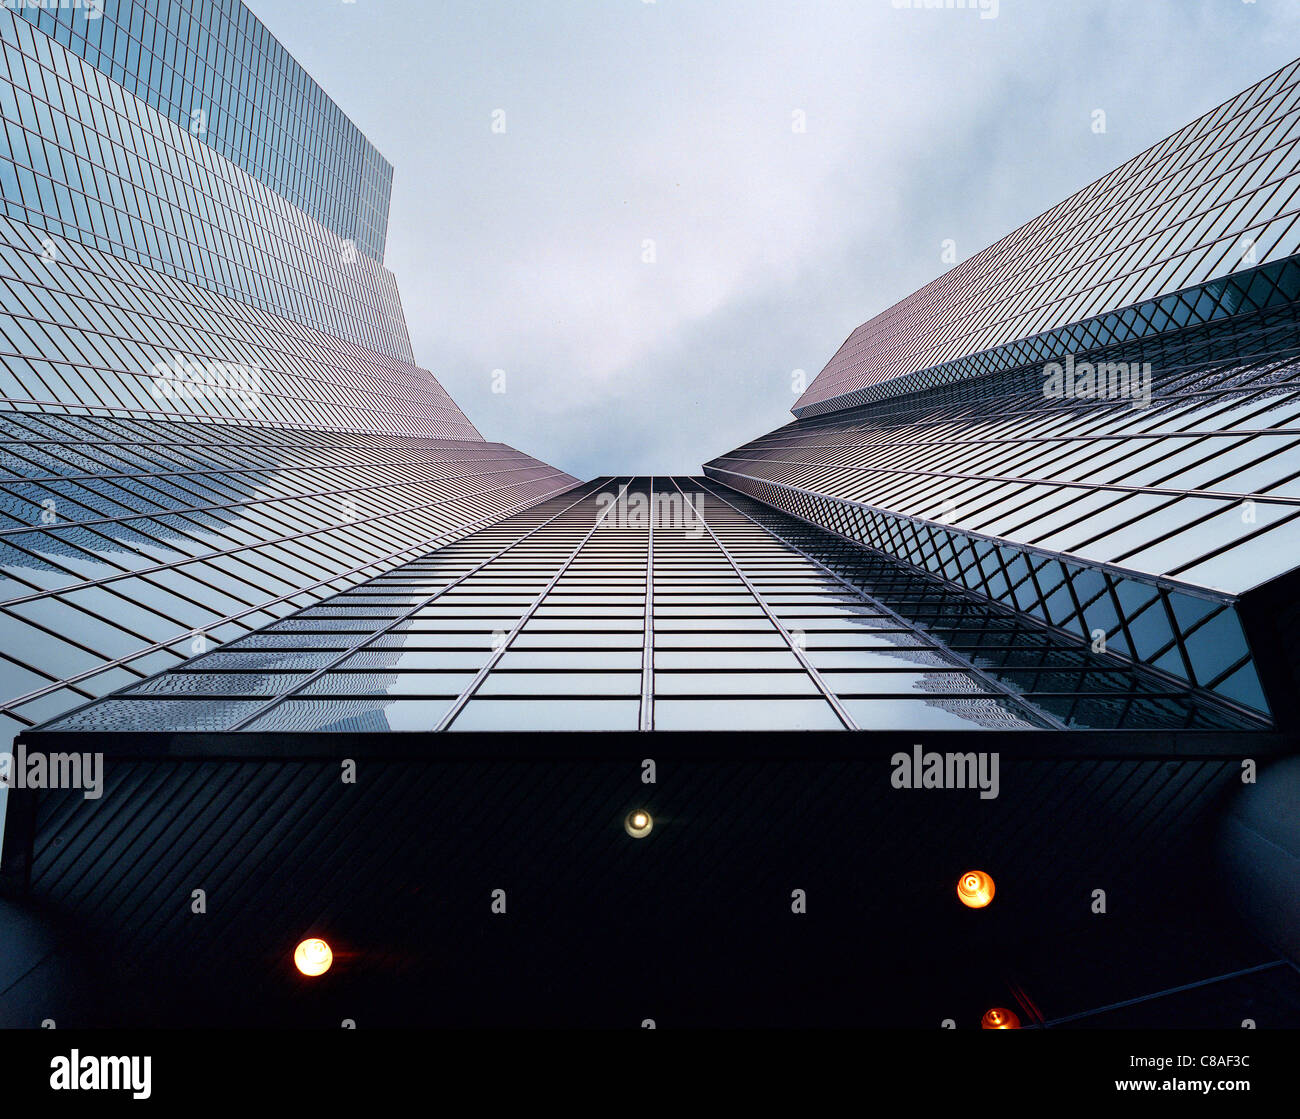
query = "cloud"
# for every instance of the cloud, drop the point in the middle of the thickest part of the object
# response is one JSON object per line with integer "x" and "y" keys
{"x": 672, "y": 123}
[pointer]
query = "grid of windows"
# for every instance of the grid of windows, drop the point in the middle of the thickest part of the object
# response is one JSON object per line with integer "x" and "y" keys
{"x": 1153, "y": 323}
{"x": 82, "y": 160}
{"x": 1200, "y": 486}
{"x": 261, "y": 110}
{"x": 945, "y": 559}
{"x": 85, "y": 328}
{"x": 652, "y": 604}
{"x": 210, "y": 415}
{"x": 1194, "y": 639}
{"x": 1141, "y": 523}
{"x": 1219, "y": 196}
{"x": 128, "y": 546}
{"x": 348, "y": 555}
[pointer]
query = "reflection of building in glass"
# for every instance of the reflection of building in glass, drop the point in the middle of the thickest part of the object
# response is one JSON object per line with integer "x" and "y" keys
{"x": 260, "y": 562}
{"x": 573, "y": 617}
{"x": 1157, "y": 525}
{"x": 210, "y": 415}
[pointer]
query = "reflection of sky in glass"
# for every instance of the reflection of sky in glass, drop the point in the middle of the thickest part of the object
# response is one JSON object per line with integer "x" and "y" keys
{"x": 539, "y": 623}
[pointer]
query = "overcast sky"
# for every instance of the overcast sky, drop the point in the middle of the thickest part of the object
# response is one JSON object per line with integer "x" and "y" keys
{"x": 675, "y": 122}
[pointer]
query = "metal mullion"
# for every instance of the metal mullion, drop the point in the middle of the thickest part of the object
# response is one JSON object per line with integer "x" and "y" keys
{"x": 284, "y": 399}
{"x": 648, "y": 633}
{"x": 828, "y": 694}
{"x": 473, "y": 686}
{"x": 419, "y": 551}
{"x": 127, "y": 573}
{"x": 35, "y": 670}
{"x": 366, "y": 639}
{"x": 1205, "y": 556}
{"x": 270, "y": 468}
{"x": 1203, "y": 697}
{"x": 954, "y": 657}
{"x": 158, "y": 494}
{"x": 156, "y": 415}
{"x": 971, "y": 534}
{"x": 57, "y": 595}
{"x": 1117, "y": 487}
{"x": 202, "y": 558}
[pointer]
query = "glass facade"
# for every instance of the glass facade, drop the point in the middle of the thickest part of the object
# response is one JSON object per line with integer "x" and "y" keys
{"x": 213, "y": 68}
{"x": 317, "y": 628}
{"x": 1095, "y": 422}
{"x": 210, "y": 415}
{"x": 83, "y": 330}
{"x": 651, "y": 604}
{"x": 132, "y": 545}
{"x": 83, "y": 160}
{"x": 1219, "y": 196}
{"x": 1143, "y": 525}
{"x": 935, "y": 543}
{"x": 949, "y": 547}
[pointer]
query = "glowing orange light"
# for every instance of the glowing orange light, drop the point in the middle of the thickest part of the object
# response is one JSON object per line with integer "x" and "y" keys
{"x": 1000, "y": 1019}
{"x": 975, "y": 888}
{"x": 313, "y": 957}
{"x": 638, "y": 823}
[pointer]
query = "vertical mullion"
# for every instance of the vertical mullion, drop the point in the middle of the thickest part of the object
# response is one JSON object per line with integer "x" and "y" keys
{"x": 827, "y": 693}
{"x": 492, "y": 661}
{"x": 648, "y": 648}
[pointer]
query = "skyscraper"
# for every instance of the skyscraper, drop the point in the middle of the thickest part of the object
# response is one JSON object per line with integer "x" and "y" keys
{"x": 1083, "y": 434}
{"x": 1014, "y": 590}
{"x": 1090, "y": 422}
{"x": 654, "y": 604}
{"x": 211, "y": 416}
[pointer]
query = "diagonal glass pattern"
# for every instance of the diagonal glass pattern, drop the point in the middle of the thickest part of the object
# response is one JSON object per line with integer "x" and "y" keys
{"x": 83, "y": 161}
{"x": 127, "y": 546}
{"x": 1219, "y": 196}
{"x": 663, "y": 603}
{"x": 215, "y": 62}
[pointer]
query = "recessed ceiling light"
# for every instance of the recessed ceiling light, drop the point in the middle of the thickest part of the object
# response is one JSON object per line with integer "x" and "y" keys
{"x": 1000, "y": 1018}
{"x": 638, "y": 824}
{"x": 313, "y": 957}
{"x": 975, "y": 889}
